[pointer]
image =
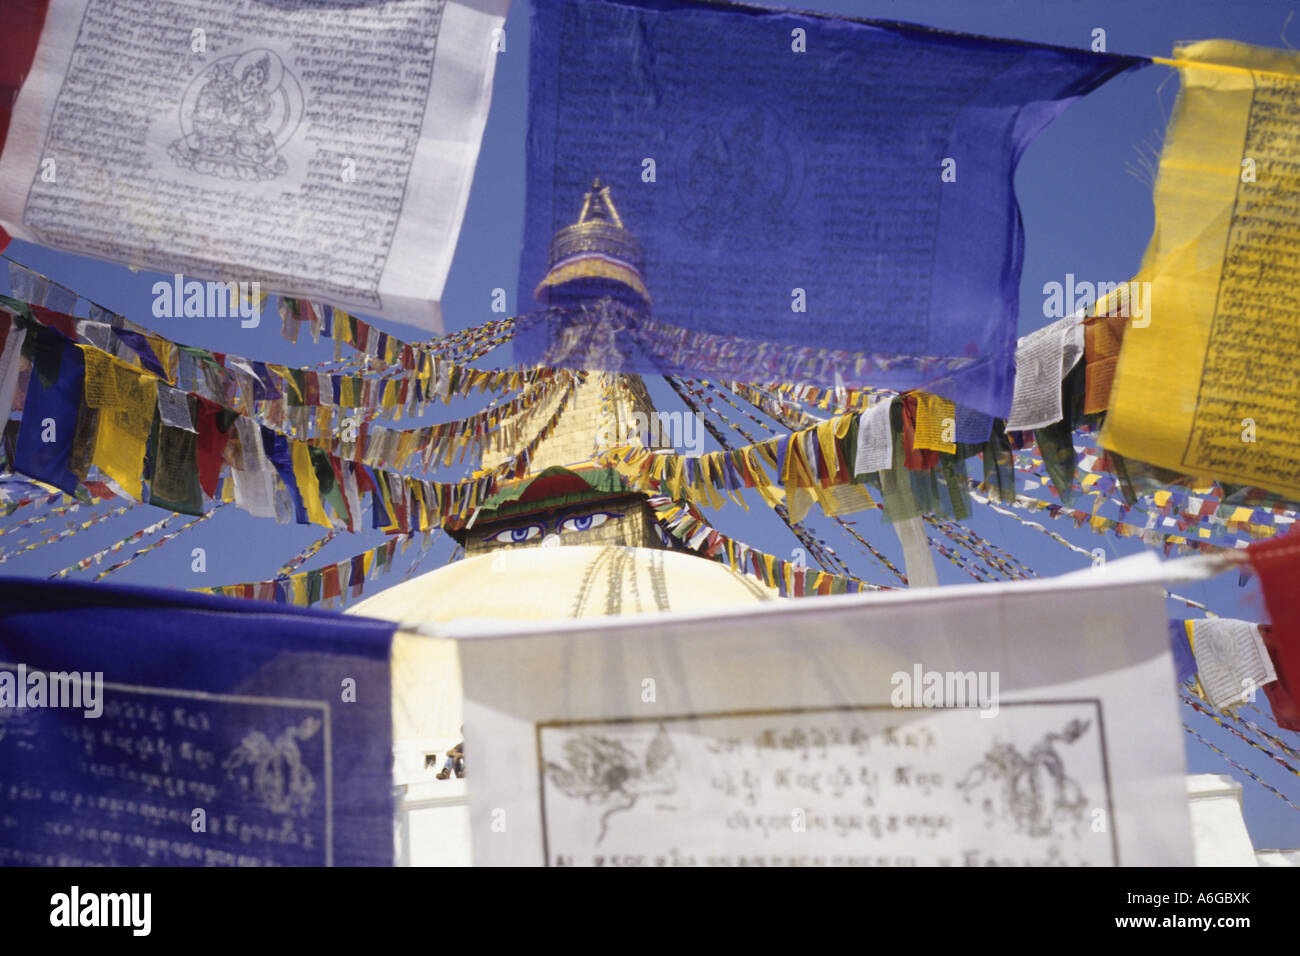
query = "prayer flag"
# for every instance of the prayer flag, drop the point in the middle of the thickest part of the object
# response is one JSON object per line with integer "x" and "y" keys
{"x": 1026, "y": 705}
{"x": 344, "y": 139}
{"x": 275, "y": 724}
{"x": 124, "y": 401}
{"x": 799, "y": 195}
{"x": 1277, "y": 562}
{"x": 1206, "y": 382}
{"x": 48, "y": 427}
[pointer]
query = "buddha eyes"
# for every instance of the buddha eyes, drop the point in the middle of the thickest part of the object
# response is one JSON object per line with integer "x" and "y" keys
{"x": 527, "y": 532}
{"x": 585, "y": 522}
{"x": 516, "y": 535}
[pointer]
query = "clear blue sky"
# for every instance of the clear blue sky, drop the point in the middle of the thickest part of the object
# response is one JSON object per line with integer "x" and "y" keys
{"x": 1083, "y": 212}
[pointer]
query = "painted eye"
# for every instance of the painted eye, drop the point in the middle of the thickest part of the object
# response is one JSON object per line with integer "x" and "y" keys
{"x": 585, "y": 522}
{"x": 516, "y": 535}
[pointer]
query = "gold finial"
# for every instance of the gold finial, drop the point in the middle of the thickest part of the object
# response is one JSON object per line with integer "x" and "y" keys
{"x": 597, "y": 205}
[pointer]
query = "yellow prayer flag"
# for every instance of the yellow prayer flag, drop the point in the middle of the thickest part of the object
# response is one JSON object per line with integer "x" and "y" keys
{"x": 935, "y": 417}
{"x": 1206, "y": 376}
{"x": 305, "y": 474}
{"x": 286, "y": 379}
{"x": 799, "y": 501}
{"x": 826, "y": 439}
{"x": 126, "y": 398}
{"x": 166, "y": 352}
{"x": 844, "y": 499}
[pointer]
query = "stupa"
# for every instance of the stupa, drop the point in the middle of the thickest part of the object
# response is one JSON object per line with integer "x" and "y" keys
{"x": 569, "y": 539}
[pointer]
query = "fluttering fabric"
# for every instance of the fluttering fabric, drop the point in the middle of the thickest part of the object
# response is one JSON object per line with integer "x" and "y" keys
{"x": 1206, "y": 380}
{"x": 1277, "y": 563}
{"x": 1184, "y": 661}
{"x": 277, "y": 724}
{"x": 785, "y": 175}
{"x": 1231, "y": 659}
{"x": 50, "y": 412}
{"x": 177, "y": 169}
{"x": 1043, "y": 359}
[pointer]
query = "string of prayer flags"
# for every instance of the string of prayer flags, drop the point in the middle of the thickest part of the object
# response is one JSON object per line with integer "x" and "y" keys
{"x": 1206, "y": 384}
{"x": 319, "y": 585}
{"x": 182, "y": 188}
{"x": 96, "y": 410}
{"x": 69, "y": 532}
{"x": 274, "y": 391}
{"x": 789, "y": 579}
{"x": 152, "y": 545}
{"x": 850, "y": 123}
{"x": 347, "y": 329}
{"x": 1218, "y": 716}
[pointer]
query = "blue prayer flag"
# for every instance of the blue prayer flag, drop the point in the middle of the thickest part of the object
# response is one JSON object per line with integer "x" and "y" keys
{"x": 51, "y": 410}
{"x": 275, "y": 722}
{"x": 1184, "y": 660}
{"x": 786, "y": 196}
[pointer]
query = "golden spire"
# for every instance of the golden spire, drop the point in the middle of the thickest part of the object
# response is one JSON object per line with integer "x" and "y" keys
{"x": 595, "y": 255}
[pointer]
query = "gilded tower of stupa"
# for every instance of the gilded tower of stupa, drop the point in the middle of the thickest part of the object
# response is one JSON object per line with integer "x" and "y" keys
{"x": 556, "y": 501}
{"x": 569, "y": 538}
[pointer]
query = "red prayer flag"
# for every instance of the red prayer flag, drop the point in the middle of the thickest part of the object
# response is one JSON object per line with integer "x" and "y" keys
{"x": 211, "y": 445}
{"x": 915, "y": 459}
{"x": 1277, "y": 562}
{"x": 23, "y": 21}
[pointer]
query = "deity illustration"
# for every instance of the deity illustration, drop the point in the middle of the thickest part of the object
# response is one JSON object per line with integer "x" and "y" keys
{"x": 748, "y": 156}
{"x": 236, "y": 116}
{"x": 605, "y": 772}
{"x": 1033, "y": 794}
{"x": 273, "y": 771}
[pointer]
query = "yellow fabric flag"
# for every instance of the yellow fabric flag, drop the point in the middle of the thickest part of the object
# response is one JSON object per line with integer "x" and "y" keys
{"x": 826, "y": 439}
{"x": 844, "y": 499}
{"x": 305, "y": 474}
{"x": 166, "y": 353}
{"x": 126, "y": 398}
{"x": 677, "y": 480}
{"x": 799, "y": 471}
{"x": 1206, "y": 381}
{"x": 799, "y": 502}
{"x": 286, "y": 379}
{"x": 935, "y": 416}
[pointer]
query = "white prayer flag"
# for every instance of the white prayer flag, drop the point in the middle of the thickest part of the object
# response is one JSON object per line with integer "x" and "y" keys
{"x": 255, "y": 486}
{"x": 174, "y": 409}
{"x": 875, "y": 442}
{"x": 1043, "y": 359}
{"x": 1025, "y": 723}
{"x": 324, "y": 150}
{"x": 1231, "y": 660}
{"x": 9, "y": 367}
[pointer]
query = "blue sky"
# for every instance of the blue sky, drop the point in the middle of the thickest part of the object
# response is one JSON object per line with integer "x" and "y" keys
{"x": 1084, "y": 213}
